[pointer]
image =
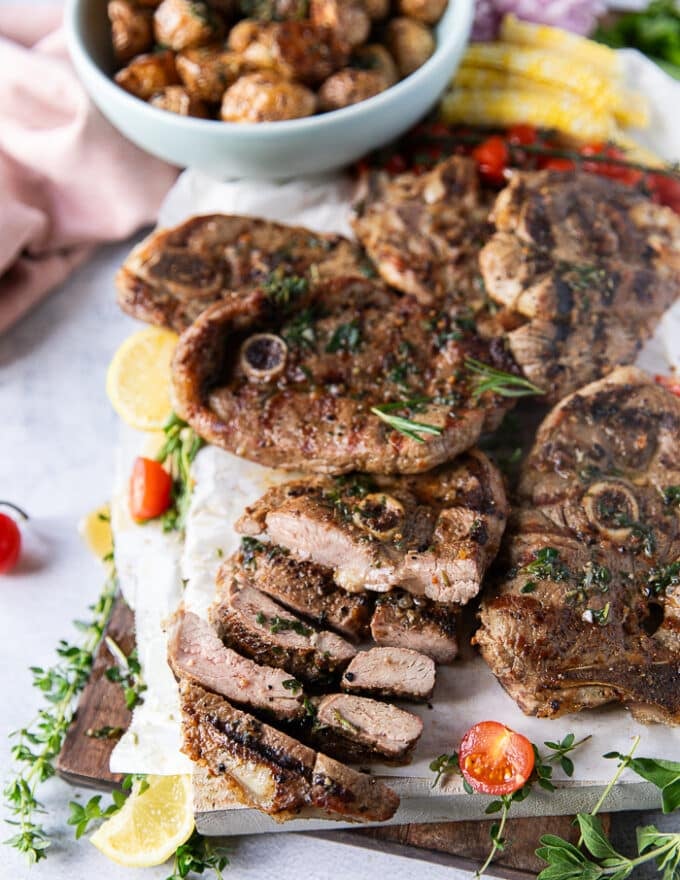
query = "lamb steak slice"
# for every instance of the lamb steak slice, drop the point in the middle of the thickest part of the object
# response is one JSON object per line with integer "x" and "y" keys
{"x": 397, "y": 673}
{"x": 402, "y": 620}
{"x": 588, "y": 264}
{"x": 588, "y": 611}
{"x": 174, "y": 274}
{"x": 433, "y": 534}
{"x": 321, "y": 379}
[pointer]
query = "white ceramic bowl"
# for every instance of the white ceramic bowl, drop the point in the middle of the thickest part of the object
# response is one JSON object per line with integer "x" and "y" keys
{"x": 263, "y": 150}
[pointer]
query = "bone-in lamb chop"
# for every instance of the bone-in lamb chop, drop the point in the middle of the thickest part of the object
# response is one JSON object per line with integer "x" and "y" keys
{"x": 433, "y": 534}
{"x": 588, "y": 611}
{"x": 174, "y": 274}
{"x": 588, "y": 265}
{"x": 345, "y": 376}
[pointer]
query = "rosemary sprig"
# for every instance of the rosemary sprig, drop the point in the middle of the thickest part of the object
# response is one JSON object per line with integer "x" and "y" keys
{"x": 405, "y": 426}
{"x": 498, "y": 382}
{"x": 177, "y": 453}
{"x": 37, "y": 745}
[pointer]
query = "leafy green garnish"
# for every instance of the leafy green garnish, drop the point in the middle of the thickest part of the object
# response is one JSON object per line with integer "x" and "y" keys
{"x": 546, "y": 566}
{"x": 671, "y": 496}
{"x": 283, "y": 290}
{"x": 346, "y": 337}
{"x": 662, "y": 577}
{"x": 405, "y": 426}
{"x": 300, "y": 332}
{"x": 127, "y": 672}
{"x": 178, "y": 453}
{"x": 654, "y": 31}
{"x": 498, "y": 382}
{"x": 197, "y": 855}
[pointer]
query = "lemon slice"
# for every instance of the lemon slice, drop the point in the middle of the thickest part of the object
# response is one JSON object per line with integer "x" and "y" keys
{"x": 138, "y": 379}
{"x": 95, "y": 530}
{"x": 151, "y": 824}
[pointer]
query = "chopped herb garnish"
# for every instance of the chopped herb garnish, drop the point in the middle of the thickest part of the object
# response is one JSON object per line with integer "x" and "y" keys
{"x": 546, "y": 566}
{"x": 498, "y": 382}
{"x": 284, "y": 290}
{"x": 599, "y": 615}
{"x": 671, "y": 496}
{"x": 278, "y": 624}
{"x": 529, "y": 587}
{"x": 105, "y": 732}
{"x": 659, "y": 579}
{"x": 597, "y": 576}
{"x": 340, "y": 719}
{"x": 407, "y": 427}
{"x": 127, "y": 672}
{"x": 300, "y": 331}
{"x": 292, "y": 684}
{"x": 346, "y": 337}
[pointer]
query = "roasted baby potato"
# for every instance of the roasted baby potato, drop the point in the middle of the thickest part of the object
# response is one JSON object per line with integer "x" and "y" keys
{"x": 375, "y": 57}
{"x": 207, "y": 73}
{"x": 131, "y": 29}
{"x": 348, "y": 19}
{"x": 266, "y": 97}
{"x": 147, "y": 74}
{"x": 349, "y": 86}
{"x": 377, "y": 9}
{"x": 184, "y": 24}
{"x": 427, "y": 11}
{"x": 410, "y": 42}
{"x": 275, "y": 10}
{"x": 176, "y": 99}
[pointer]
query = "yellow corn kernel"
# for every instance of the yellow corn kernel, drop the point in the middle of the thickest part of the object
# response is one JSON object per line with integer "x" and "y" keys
{"x": 541, "y": 36}
{"x": 533, "y": 106}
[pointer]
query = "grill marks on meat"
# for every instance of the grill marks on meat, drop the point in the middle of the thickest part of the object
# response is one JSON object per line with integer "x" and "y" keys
{"x": 362, "y": 729}
{"x": 258, "y": 627}
{"x": 401, "y": 620}
{"x": 396, "y": 673}
{"x": 589, "y": 264}
{"x": 424, "y": 232}
{"x": 290, "y": 381}
{"x": 174, "y": 274}
{"x": 588, "y": 612}
{"x": 433, "y": 534}
{"x": 195, "y": 653}
{"x": 271, "y": 771}
{"x": 305, "y": 589}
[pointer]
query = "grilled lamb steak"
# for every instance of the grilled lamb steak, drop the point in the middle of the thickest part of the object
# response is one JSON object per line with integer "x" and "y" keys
{"x": 196, "y": 654}
{"x": 291, "y": 377}
{"x": 432, "y": 534}
{"x": 589, "y": 264}
{"x": 305, "y": 589}
{"x": 258, "y": 627}
{"x": 398, "y": 673}
{"x": 366, "y": 728}
{"x": 588, "y": 610}
{"x": 402, "y": 620}
{"x": 174, "y": 274}
{"x": 424, "y": 232}
{"x": 270, "y": 771}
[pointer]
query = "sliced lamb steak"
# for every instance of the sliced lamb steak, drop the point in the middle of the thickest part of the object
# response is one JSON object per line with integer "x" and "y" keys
{"x": 360, "y": 729}
{"x": 174, "y": 274}
{"x": 305, "y": 589}
{"x": 398, "y": 673}
{"x": 258, "y": 627}
{"x": 196, "y": 653}
{"x": 402, "y": 620}
{"x": 589, "y": 609}
{"x": 590, "y": 265}
{"x": 291, "y": 377}
{"x": 424, "y": 232}
{"x": 272, "y": 772}
{"x": 432, "y": 534}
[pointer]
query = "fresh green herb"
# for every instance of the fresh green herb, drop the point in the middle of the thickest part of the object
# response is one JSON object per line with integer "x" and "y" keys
{"x": 83, "y": 816}
{"x": 596, "y": 576}
{"x": 127, "y": 672}
{"x": 346, "y": 337}
{"x": 671, "y": 496}
{"x": 300, "y": 332}
{"x": 251, "y": 548}
{"x": 38, "y": 744}
{"x": 642, "y": 533}
{"x": 340, "y": 719}
{"x": 662, "y": 577}
{"x": 654, "y": 31}
{"x": 284, "y": 624}
{"x": 546, "y": 566}
{"x": 260, "y": 618}
{"x": 177, "y": 453}
{"x": 529, "y": 587}
{"x": 600, "y": 858}
{"x": 310, "y": 708}
{"x": 197, "y": 855}
{"x": 498, "y": 382}
{"x": 599, "y": 615}
{"x": 105, "y": 732}
{"x": 292, "y": 684}
{"x": 443, "y": 765}
{"x": 283, "y": 290}
{"x": 407, "y": 427}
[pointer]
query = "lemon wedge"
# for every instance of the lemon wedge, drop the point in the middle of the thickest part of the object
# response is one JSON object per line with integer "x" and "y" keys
{"x": 95, "y": 530}
{"x": 138, "y": 378}
{"x": 152, "y": 823}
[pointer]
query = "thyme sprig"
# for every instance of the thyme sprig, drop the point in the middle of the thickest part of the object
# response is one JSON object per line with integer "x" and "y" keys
{"x": 407, "y": 427}
{"x": 197, "y": 855}
{"x": 178, "y": 453}
{"x": 487, "y": 378}
{"x": 127, "y": 672}
{"x": 38, "y": 744}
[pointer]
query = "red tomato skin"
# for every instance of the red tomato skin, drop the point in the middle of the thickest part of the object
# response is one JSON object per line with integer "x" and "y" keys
{"x": 150, "y": 489}
{"x": 669, "y": 383}
{"x": 555, "y": 163}
{"x": 10, "y": 543}
{"x": 522, "y": 135}
{"x": 489, "y": 740}
{"x": 665, "y": 190}
{"x": 492, "y": 157}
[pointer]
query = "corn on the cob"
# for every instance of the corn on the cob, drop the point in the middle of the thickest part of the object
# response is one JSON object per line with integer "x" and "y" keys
{"x": 534, "y": 106}
{"x": 540, "y": 36}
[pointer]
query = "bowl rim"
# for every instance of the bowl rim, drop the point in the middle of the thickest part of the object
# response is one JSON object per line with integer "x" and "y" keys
{"x": 464, "y": 11}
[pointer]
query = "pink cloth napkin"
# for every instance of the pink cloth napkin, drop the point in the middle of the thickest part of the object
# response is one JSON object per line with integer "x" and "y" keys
{"x": 68, "y": 180}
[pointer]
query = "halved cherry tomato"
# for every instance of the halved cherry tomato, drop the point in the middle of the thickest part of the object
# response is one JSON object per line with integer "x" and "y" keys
{"x": 494, "y": 759}
{"x": 522, "y": 135}
{"x": 492, "y": 157}
{"x": 665, "y": 190}
{"x": 150, "y": 489}
{"x": 670, "y": 383}
{"x": 10, "y": 543}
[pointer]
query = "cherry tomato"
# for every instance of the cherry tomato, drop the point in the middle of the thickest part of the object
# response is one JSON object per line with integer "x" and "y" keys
{"x": 494, "y": 759}
{"x": 670, "y": 383}
{"x": 522, "y": 135}
{"x": 10, "y": 543}
{"x": 615, "y": 170}
{"x": 150, "y": 489}
{"x": 665, "y": 190}
{"x": 492, "y": 157}
{"x": 555, "y": 163}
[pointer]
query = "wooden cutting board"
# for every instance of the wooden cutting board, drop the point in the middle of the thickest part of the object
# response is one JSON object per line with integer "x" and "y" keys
{"x": 84, "y": 761}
